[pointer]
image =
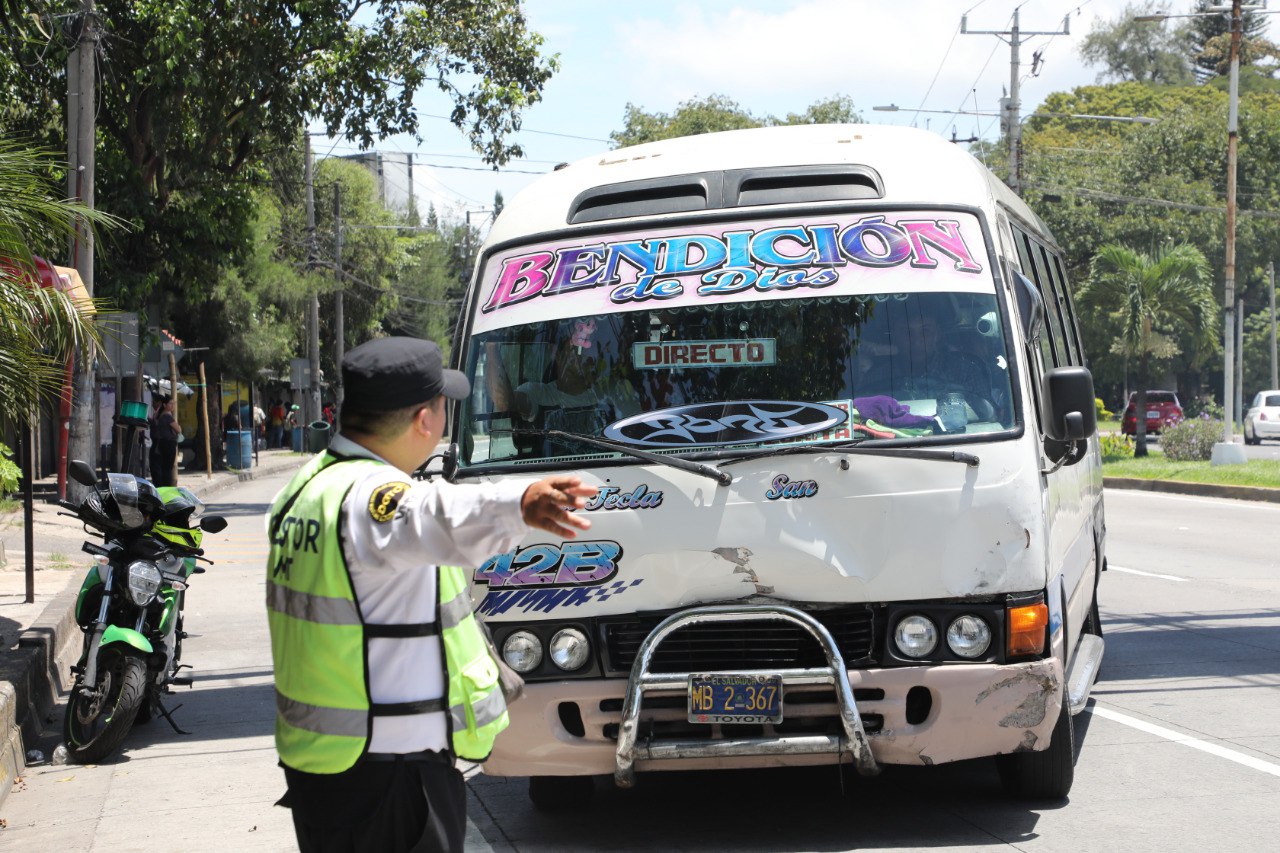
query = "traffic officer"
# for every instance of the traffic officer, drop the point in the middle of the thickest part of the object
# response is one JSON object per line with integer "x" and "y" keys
{"x": 381, "y": 674}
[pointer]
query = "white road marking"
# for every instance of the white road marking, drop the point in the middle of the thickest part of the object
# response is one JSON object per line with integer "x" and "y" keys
{"x": 1112, "y": 568}
{"x": 1195, "y": 743}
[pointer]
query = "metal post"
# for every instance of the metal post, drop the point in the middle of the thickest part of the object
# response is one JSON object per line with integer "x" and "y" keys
{"x": 204, "y": 423}
{"x": 1239, "y": 400}
{"x": 1271, "y": 277}
{"x": 339, "y": 322}
{"x": 312, "y": 409}
{"x": 28, "y": 500}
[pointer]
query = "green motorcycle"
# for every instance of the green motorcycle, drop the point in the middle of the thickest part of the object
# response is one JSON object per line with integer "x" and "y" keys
{"x": 130, "y": 606}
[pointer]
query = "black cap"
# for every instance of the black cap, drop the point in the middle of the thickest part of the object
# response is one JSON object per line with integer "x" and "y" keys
{"x": 392, "y": 373}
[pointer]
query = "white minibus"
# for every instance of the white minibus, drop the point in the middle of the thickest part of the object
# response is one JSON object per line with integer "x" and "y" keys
{"x": 829, "y": 382}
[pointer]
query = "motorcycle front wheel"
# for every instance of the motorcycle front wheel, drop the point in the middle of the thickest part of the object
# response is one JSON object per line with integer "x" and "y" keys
{"x": 99, "y": 716}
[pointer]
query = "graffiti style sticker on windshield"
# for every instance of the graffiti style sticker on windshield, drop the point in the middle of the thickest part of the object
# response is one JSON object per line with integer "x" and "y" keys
{"x": 743, "y": 422}
{"x": 499, "y": 601}
{"x": 567, "y": 564}
{"x": 760, "y": 352}
{"x": 612, "y": 497}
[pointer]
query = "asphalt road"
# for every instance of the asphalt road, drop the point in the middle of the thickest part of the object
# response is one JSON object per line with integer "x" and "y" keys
{"x": 1179, "y": 750}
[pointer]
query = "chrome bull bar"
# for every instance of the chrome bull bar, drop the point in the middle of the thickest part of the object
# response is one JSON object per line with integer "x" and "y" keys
{"x": 853, "y": 740}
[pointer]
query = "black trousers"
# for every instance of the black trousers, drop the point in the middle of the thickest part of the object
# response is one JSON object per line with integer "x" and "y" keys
{"x": 379, "y": 806}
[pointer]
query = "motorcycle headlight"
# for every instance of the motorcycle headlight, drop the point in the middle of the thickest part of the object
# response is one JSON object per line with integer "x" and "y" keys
{"x": 522, "y": 651}
{"x": 569, "y": 649}
{"x": 144, "y": 582}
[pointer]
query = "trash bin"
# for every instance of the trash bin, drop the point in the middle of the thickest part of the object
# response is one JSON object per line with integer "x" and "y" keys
{"x": 317, "y": 436}
{"x": 295, "y": 438}
{"x": 240, "y": 449}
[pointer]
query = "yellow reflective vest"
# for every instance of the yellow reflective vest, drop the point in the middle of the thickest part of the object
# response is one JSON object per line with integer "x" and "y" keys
{"x": 324, "y": 714}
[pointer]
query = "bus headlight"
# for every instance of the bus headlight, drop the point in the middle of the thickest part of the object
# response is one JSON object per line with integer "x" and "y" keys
{"x": 569, "y": 649}
{"x": 522, "y": 651}
{"x": 916, "y": 636}
{"x": 144, "y": 582}
{"x": 969, "y": 636}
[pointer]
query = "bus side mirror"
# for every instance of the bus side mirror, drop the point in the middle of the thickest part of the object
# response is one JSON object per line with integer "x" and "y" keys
{"x": 1069, "y": 411}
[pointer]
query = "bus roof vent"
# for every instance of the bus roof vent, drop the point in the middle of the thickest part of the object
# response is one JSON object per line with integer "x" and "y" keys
{"x": 799, "y": 184}
{"x": 673, "y": 194}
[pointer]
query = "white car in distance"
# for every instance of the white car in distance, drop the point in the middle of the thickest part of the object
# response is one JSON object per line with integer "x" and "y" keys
{"x": 1263, "y": 418}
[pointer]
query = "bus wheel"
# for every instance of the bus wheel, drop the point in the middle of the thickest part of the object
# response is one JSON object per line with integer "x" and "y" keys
{"x": 561, "y": 793}
{"x": 1043, "y": 775}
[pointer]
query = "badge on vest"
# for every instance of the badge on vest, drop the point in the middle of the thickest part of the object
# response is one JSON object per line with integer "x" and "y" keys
{"x": 385, "y": 499}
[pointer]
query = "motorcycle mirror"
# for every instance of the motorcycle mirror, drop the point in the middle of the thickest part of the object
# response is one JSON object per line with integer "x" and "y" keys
{"x": 82, "y": 473}
{"x": 213, "y": 524}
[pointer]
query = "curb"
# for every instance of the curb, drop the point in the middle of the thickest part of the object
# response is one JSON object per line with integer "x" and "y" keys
{"x": 1209, "y": 490}
{"x": 31, "y": 679}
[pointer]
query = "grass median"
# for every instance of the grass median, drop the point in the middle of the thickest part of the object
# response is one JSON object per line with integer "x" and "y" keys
{"x": 1256, "y": 472}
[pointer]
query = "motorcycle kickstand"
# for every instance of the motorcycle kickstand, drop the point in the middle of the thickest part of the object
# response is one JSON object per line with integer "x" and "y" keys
{"x": 164, "y": 712}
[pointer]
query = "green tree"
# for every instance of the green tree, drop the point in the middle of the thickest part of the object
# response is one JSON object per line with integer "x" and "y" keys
{"x": 39, "y": 327}
{"x": 716, "y": 113}
{"x": 1207, "y": 40}
{"x": 1135, "y": 50}
{"x": 197, "y": 96}
{"x": 1156, "y": 297}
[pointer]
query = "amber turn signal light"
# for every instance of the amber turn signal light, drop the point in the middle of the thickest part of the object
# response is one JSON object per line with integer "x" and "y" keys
{"x": 1026, "y": 629}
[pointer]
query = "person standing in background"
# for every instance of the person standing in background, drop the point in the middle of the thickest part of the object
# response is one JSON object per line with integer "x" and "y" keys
{"x": 165, "y": 433}
{"x": 275, "y": 438}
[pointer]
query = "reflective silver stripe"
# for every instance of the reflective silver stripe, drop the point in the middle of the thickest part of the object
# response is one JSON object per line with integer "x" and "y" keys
{"x": 453, "y": 611}
{"x": 323, "y": 721}
{"x": 489, "y": 709}
{"x": 320, "y": 609}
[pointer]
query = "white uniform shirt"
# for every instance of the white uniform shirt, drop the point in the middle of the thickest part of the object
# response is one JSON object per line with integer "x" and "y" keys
{"x": 393, "y": 569}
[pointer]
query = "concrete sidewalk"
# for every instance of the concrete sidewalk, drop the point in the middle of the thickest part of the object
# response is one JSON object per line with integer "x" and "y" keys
{"x": 40, "y": 640}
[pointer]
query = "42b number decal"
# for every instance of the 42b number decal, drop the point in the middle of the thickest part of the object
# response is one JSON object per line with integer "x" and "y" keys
{"x": 567, "y": 564}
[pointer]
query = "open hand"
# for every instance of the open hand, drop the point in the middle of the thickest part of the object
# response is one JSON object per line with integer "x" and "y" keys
{"x": 548, "y": 505}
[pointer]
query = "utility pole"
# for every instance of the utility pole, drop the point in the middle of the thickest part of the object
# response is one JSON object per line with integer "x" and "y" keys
{"x": 1012, "y": 105}
{"x": 81, "y": 136}
{"x": 413, "y": 206}
{"x": 1271, "y": 277}
{"x": 340, "y": 343}
{"x": 312, "y": 409}
{"x": 1230, "y": 454}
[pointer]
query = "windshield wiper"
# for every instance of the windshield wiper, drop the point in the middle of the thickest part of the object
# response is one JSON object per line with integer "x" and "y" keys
{"x": 721, "y": 477}
{"x": 858, "y": 447}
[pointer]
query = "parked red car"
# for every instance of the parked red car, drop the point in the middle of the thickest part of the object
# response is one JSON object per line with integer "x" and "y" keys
{"x": 1163, "y": 409}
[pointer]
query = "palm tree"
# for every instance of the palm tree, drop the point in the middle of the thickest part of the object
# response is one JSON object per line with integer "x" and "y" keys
{"x": 1158, "y": 299}
{"x": 39, "y": 326}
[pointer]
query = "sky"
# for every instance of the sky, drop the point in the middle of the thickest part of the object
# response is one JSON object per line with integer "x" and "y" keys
{"x": 770, "y": 56}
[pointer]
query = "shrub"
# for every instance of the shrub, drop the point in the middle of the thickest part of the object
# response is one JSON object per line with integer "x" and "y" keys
{"x": 1103, "y": 414}
{"x": 1116, "y": 446}
{"x": 1191, "y": 440}
{"x": 10, "y": 474}
{"x": 1204, "y": 409}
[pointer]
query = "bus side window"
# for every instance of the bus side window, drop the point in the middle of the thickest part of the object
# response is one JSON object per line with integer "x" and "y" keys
{"x": 1026, "y": 254}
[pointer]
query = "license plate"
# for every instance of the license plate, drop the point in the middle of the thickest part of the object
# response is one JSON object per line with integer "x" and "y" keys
{"x": 735, "y": 698}
{"x": 1153, "y": 415}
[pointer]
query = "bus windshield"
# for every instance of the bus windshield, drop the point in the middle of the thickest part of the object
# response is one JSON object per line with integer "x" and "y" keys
{"x": 927, "y": 366}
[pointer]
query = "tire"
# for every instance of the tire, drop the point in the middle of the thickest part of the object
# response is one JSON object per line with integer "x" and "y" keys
{"x": 561, "y": 794}
{"x": 1247, "y": 439}
{"x": 1043, "y": 775}
{"x": 93, "y": 730}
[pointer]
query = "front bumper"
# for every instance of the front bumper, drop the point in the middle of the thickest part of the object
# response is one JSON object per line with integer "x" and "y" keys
{"x": 571, "y": 728}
